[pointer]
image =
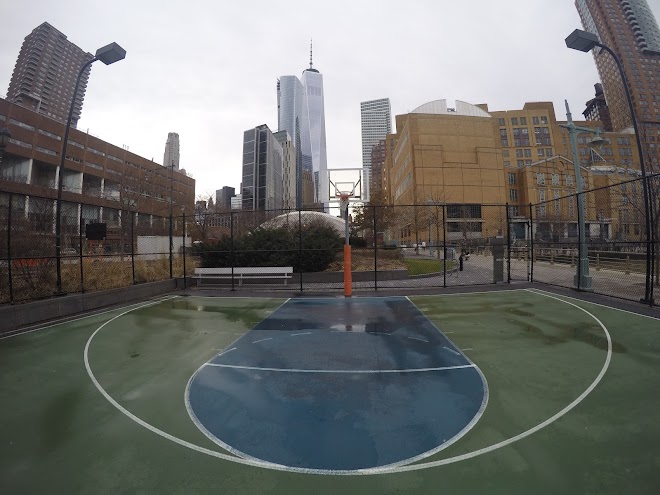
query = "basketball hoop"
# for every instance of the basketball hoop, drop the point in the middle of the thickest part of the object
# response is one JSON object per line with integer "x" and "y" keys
{"x": 343, "y": 202}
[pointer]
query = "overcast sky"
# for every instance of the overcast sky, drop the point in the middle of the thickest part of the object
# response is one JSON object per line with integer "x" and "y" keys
{"x": 207, "y": 69}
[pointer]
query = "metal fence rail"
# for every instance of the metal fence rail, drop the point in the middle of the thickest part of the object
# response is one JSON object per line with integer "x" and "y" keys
{"x": 405, "y": 246}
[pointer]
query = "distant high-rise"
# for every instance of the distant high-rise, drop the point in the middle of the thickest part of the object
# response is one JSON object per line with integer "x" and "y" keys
{"x": 376, "y": 118}
{"x": 223, "y": 198}
{"x": 262, "y": 170}
{"x": 301, "y": 112}
{"x": 312, "y": 82}
{"x": 44, "y": 77}
{"x": 630, "y": 29}
{"x": 171, "y": 157}
{"x": 289, "y": 176}
{"x": 291, "y": 112}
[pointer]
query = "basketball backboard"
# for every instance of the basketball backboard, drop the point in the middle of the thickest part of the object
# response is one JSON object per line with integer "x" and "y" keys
{"x": 346, "y": 181}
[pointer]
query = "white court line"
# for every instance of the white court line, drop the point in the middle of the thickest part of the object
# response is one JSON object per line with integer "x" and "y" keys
{"x": 294, "y": 370}
{"x": 370, "y": 471}
{"x": 451, "y": 350}
{"x": 64, "y": 321}
{"x": 262, "y": 340}
{"x": 296, "y": 334}
{"x": 417, "y": 338}
{"x": 545, "y": 292}
{"x": 467, "y": 349}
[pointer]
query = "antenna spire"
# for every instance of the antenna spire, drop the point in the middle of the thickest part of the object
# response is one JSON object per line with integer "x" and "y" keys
{"x": 311, "y": 65}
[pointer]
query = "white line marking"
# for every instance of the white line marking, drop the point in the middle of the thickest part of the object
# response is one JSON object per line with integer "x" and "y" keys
{"x": 296, "y": 334}
{"x": 224, "y": 352}
{"x": 417, "y": 338}
{"x": 447, "y": 333}
{"x": 451, "y": 350}
{"x": 536, "y": 428}
{"x": 544, "y": 292}
{"x": 467, "y": 349}
{"x": 294, "y": 370}
{"x": 262, "y": 340}
{"x": 64, "y": 321}
{"x": 382, "y": 470}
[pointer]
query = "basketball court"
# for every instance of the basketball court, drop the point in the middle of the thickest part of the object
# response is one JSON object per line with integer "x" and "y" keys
{"x": 508, "y": 391}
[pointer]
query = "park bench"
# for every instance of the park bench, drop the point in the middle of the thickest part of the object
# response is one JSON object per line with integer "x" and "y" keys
{"x": 241, "y": 273}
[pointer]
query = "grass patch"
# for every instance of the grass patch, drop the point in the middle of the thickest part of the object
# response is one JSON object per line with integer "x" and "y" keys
{"x": 425, "y": 266}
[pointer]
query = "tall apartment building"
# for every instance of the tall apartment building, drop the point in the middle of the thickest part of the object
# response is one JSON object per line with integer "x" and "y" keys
{"x": 223, "y": 198}
{"x": 44, "y": 77}
{"x": 376, "y": 121}
{"x": 171, "y": 157}
{"x": 630, "y": 29}
{"x": 597, "y": 109}
{"x": 262, "y": 170}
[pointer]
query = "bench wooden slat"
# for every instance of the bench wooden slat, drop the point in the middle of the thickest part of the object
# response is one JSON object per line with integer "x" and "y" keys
{"x": 247, "y": 272}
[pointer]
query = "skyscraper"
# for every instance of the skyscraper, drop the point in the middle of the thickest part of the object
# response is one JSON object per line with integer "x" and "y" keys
{"x": 291, "y": 112}
{"x": 262, "y": 170}
{"x": 630, "y": 29}
{"x": 44, "y": 77}
{"x": 289, "y": 179}
{"x": 171, "y": 157}
{"x": 376, "y": 118}
{"x": 301, "y": 112}
{"x": 223, "y": 198}
{"x": 312, "y": 82}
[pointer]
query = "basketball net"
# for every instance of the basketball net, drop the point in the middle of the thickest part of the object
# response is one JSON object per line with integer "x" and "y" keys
{"x": 343, "y": 204}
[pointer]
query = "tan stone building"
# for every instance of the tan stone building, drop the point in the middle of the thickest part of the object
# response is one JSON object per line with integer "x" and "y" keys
{"x": 467, "y": 158}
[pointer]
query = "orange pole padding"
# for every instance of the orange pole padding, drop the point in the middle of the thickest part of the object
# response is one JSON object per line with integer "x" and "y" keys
{"x": 348, "y": 274}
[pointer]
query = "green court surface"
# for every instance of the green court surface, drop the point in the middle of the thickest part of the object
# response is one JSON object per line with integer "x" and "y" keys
{"x": 97, "y": 405}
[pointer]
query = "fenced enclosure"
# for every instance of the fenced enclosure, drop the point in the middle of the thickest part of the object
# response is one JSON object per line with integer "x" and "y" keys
{"x": 404, "y": 246}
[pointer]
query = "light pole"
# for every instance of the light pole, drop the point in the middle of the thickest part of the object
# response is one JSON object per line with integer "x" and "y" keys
{"x": 171, "y": 167}
{"x": 582, "y": 279}
{"x": 584, "y": 41}
{"x": 108, "y": 54}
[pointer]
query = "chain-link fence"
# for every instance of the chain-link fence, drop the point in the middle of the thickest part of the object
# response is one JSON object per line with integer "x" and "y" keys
{"x": 415, "y": 246}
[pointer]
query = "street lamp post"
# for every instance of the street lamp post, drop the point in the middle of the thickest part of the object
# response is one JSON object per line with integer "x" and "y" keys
{"x": 108, "y": 54}
{"x": 582, "y": 279}
{"x": 584, "y": 41}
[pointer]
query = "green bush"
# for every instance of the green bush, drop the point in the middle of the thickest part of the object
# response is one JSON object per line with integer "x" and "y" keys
{"x": 275, "y": 247}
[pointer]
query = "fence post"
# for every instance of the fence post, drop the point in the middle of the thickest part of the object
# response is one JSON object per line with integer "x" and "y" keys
{"x": 132, "y": 246}
{"x": 508, "y": 244}
{"x": 183, "y": 219}
{"x": 9, "y": 261}
{"x": 552, "y": 256}
{"x": 233, "y": 260}
{"x": 627, "y": 264}
{"x": 597, "y": 262}
{"x": 80, "y": 248}
{"x": 531, "y": 243}
{"x": 444, "y": 247}
{"x": 375, "y": 209}
{"x": 171, "y": 244}
{"x": 300, "y": 253}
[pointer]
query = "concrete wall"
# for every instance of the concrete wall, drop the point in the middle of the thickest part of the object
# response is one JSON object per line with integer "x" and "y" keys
{"x": 13, "y": 317}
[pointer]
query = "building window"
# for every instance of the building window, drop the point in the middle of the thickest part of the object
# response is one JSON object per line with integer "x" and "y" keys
{"x": 513, "y": 195}
{"x": 523, "y": 120}
{"x": 569, "y": 180}
{"x": 514, "y": 120}
{"x": 548, "y": 152}
{"x": 544, "y": 120}
{"x": 540, "y": 152}
{"x": 520, "y": 163}
{"x": 512, "y": 178}
{"x": 502, "y": 122}
{"x": 507, "y": 163}
{"x": 519, "y": 153}
{"x": 540, "y": 178}
{"x": 528, "y": 153}
{"x": 535, "y": 121}
{"x": 555, "y": 179}
{"x": 557, "y": 202}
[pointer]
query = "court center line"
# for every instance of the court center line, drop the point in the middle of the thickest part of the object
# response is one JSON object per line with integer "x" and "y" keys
{"x": 262, "y": 340}
{"x": 294, "y": 370}
{"x": 417, "y": 338}
{"x": 303, "y": 333}
{"x": 451, "y": 350}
